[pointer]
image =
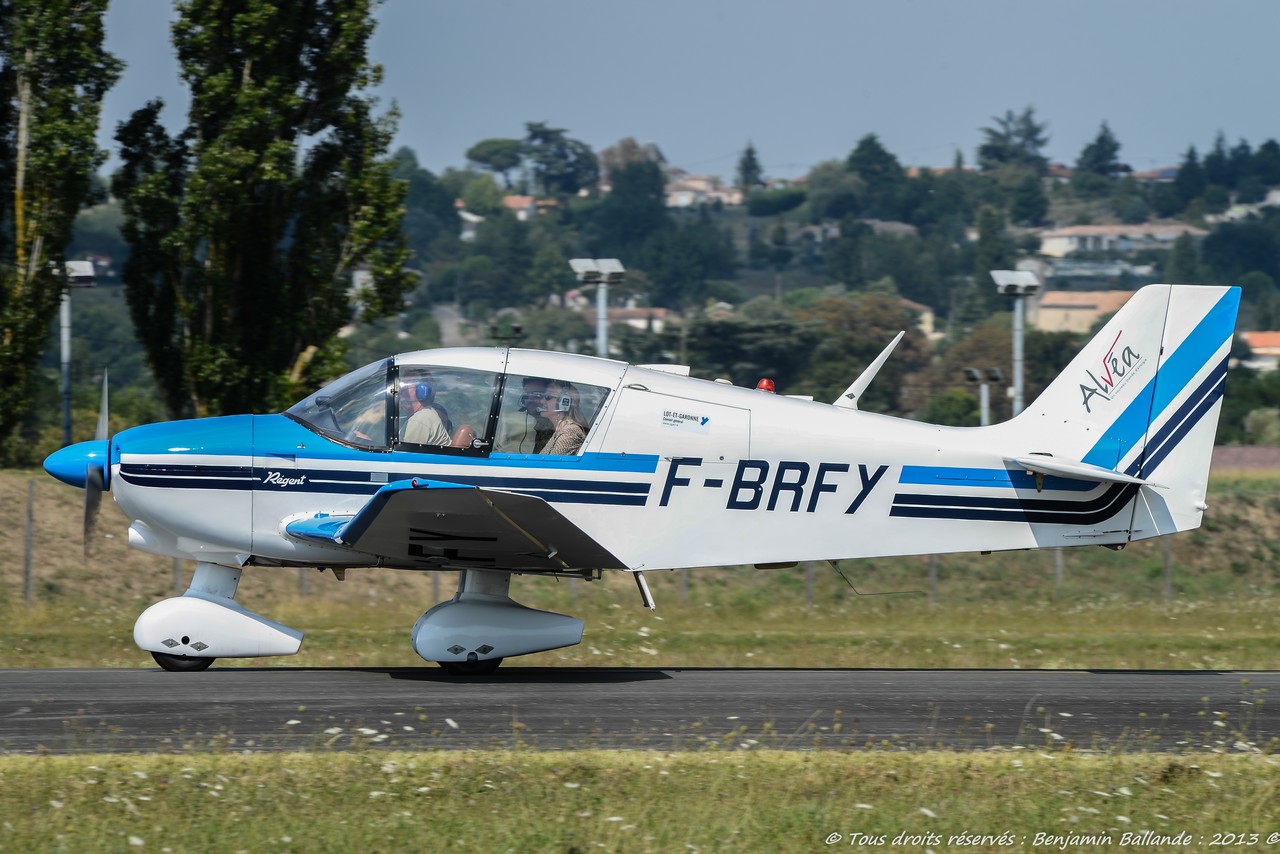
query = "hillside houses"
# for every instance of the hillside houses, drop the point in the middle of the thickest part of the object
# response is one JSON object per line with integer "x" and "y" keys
{"x": 1265, "y": 347}
{"x": 1073, "y": 311}
{"x": 1075, "y": 239}
{"x": 689, "y": 191}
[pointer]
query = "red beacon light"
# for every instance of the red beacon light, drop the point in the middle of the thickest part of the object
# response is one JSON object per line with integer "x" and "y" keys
{"x": 766, "y": 384}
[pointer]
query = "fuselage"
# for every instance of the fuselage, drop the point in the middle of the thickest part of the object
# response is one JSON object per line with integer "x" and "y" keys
{"x": 674, "y": 472}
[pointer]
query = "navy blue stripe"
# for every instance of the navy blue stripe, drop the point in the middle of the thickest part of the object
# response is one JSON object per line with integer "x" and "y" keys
{"x": 1180, "y": 423}
{"x": 187, "y": 483}
{"x": 517, "y": 483}
{"x": 181, "y": 477}
{"x": 169, "y": 469}
{"x": 1090, "y": 513}
{"x": 225, "y": 477}
{"x": 320, "y": 480}
{"x": 1168, "y": 447}
{"x": 1046, "y": 504}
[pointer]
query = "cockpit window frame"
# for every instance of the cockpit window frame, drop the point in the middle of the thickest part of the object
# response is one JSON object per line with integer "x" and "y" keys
{"x": 481, "y": 450}
{"x": 462, "y": 403}
{"x": 385, "y": 445}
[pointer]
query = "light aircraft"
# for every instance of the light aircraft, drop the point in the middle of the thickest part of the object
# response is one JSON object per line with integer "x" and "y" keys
{"x": 672, "y": 472}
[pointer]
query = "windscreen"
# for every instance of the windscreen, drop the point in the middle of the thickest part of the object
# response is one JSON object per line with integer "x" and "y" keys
{"x": 354, "y": 409}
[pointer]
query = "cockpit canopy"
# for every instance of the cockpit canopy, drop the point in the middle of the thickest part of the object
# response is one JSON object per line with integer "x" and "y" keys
{"x": 386, "y": 406}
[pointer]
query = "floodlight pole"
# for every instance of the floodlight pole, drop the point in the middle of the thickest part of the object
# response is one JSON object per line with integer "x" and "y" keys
{"x": 65, "y": 376}
{"x": 1018, "y": 284}
{"x": 1019, "y": 317}
{"x": 600, "y": 272}
{"x": 79, "y": 274}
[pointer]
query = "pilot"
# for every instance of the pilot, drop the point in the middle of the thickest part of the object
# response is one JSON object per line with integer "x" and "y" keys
{"x": 422, "y": 420}
{"x": 522, "y": 431}
{"x": 561, "y": 405}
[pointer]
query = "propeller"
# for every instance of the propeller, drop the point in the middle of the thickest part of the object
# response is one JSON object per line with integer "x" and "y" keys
{"x": 95, "y": 477}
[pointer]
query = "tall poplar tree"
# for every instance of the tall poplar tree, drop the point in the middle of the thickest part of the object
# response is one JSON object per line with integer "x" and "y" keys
{"x": 53, "y": 74}
{"x": 247, "y": 226}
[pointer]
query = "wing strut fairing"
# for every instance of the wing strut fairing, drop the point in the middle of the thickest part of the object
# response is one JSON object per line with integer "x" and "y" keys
{"x": 423, "y": 523}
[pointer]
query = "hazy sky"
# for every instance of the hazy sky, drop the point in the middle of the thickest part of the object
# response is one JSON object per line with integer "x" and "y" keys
{"x": 802, "y": 79}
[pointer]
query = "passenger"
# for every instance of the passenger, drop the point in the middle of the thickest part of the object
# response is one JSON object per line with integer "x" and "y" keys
{"x": 561, "y": 406}
{"x": 522, "y": 431}
{"x": 422, "y": 420}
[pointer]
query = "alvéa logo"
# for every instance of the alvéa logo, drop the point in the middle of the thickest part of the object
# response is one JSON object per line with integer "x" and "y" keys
{"x": 1119, "y": 365}
{"x": 277, "y": 479}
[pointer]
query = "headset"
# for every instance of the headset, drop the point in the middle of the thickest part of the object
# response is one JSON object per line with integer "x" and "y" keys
{"x": 560, "y": 403}
{"x": 424, "y": 392}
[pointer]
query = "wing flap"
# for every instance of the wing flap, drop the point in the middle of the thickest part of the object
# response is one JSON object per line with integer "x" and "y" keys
{"x": 428, "y": 524}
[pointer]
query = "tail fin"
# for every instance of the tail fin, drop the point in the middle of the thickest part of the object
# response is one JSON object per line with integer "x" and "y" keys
{"x": 1142, "y": 399}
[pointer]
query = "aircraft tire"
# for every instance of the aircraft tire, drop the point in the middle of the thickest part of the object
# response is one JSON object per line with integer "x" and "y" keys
{"x": 181, "y": 663}
{"x": 470, "y": 668}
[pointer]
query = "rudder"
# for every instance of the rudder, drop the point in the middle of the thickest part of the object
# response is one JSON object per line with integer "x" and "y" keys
{"x": 1143, "y": 398}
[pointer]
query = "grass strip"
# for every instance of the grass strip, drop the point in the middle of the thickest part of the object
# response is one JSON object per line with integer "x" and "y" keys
{"x": 1236, "y": 633}
{"x": 631, "y": 801}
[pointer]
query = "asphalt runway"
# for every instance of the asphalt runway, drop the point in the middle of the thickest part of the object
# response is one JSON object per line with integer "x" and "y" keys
{"x": 65, "y": 711}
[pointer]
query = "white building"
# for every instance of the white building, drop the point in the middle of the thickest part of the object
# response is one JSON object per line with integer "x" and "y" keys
{"x": 1061, "y": 242}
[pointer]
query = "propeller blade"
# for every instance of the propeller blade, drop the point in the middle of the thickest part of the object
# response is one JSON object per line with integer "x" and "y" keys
{"x": 93, "y": 481}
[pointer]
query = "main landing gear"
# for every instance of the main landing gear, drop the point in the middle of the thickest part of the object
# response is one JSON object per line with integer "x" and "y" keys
{"x": 470, "y": 634}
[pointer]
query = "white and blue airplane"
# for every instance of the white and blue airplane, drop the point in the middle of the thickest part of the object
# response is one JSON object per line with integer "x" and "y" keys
{"x": 495, "y": 462}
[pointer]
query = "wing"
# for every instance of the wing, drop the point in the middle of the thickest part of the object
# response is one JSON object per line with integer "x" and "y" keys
{"x": 433, "y": 524}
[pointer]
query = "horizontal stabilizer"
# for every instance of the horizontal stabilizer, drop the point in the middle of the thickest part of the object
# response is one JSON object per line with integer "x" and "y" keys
{"x": 421, "y": 523}
{"x": 1039, "y": 464}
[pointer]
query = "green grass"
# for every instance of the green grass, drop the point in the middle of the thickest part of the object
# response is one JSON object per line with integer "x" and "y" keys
{"x": 731, "y": 799}
{"x": 1220, "y": 634}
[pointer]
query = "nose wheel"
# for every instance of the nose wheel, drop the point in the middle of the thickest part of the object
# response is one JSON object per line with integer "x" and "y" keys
{"x": 181, "y": 663}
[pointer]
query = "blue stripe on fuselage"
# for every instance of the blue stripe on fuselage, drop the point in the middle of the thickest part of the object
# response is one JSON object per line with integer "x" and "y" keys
{"x": 987, "y": 478}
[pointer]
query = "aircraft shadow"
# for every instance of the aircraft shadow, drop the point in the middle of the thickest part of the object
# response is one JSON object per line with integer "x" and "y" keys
{"x": 509, "y": 675}
{"x": 537, "y": 675}
{"x": 605, "y": 675}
